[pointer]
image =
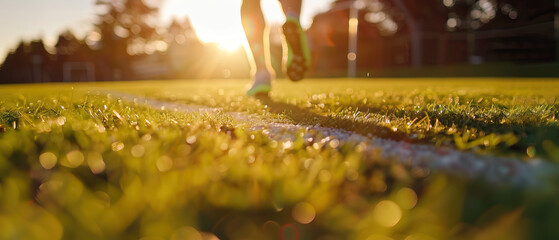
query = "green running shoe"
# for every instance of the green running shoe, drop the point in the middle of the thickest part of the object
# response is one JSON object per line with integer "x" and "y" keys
{"x": 262, "y": 84}
{"x": 297, "y": 58}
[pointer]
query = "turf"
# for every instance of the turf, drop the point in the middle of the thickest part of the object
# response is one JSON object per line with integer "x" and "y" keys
{"x": 78, "y": 163}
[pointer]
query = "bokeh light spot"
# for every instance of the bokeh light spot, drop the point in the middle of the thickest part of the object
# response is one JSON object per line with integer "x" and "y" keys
{"x": 304, "y": 213}
{"x": 448, "y": 3}
{"x": 334, "y": 143}
{"x": 271, "y": 228}
{"x": 289, "y": 231}
{"x": 138, "y": 151}
{"x": 75, "y": 159}
{"x": 117, "y": 146}
{"x": 164, "y": 163}
{"x": 351, "y": 56}
{"x": 61, "y": 121}
{"x": 406, "y": 198}
{"x": 48, "y": 160}
{"x": 387, "y": 213}
{"x": 95, "y": 162}
{"x": 191, "y": 140}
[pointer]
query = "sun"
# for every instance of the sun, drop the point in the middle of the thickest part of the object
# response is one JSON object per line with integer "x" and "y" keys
{"x": 217, "y": 21}
{"x": 229, "y": 45}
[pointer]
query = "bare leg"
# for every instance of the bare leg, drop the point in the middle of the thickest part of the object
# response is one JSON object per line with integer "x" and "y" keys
{"x": 254, "y": 25}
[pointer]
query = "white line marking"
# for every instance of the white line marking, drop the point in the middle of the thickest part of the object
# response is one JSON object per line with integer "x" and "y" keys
{"x": 495, "y": 170}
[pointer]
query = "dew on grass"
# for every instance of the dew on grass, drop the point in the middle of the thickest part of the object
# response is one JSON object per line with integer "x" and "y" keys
{"x": 48, "y": 160}
{"x": 61, "y": 121}
{"x": 287, "y": 145}
{"x": 335, "y": 143}
{"x": 191, "y": 140}
{"x": 117, "y": 146}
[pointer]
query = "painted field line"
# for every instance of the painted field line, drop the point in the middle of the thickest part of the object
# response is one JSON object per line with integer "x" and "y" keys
{"x": 507, "y": 171}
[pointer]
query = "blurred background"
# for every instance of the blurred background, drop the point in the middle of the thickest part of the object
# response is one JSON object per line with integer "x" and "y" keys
{"x": 102, "y": 40}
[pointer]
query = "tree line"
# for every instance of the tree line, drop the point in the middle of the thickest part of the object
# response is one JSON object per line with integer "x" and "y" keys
{"x": 126, "y": 42}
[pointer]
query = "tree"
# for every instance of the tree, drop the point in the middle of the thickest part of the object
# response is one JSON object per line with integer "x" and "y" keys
{"x": 126, "y": 28}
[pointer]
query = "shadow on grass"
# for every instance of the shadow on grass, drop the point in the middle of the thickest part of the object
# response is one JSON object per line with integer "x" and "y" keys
{"x": 531, "y": 129}
{"x": 531, "y": 133}
{"x": 306, "y": 117}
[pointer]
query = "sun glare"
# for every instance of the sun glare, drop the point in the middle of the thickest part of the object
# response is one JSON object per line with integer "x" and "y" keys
{"x": 230, "y": 45}
{"x": 217, "y": 21}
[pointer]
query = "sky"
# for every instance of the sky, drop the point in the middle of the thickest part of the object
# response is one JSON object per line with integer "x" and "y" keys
{"x": 46, "y": 19}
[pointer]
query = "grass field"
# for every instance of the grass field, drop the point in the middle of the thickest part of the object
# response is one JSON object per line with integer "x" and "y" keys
{"x": 76, "y": 162}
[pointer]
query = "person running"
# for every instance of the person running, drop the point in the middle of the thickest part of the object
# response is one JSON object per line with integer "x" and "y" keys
{"x": 296, "y": 54}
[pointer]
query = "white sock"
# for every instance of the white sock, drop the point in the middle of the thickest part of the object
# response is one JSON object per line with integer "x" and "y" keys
{"x": 263, "y": 77}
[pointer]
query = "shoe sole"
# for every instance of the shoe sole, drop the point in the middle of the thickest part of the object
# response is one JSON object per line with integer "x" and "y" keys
{"x": 259, "y": 90}
{"x": 297, "y": 67}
